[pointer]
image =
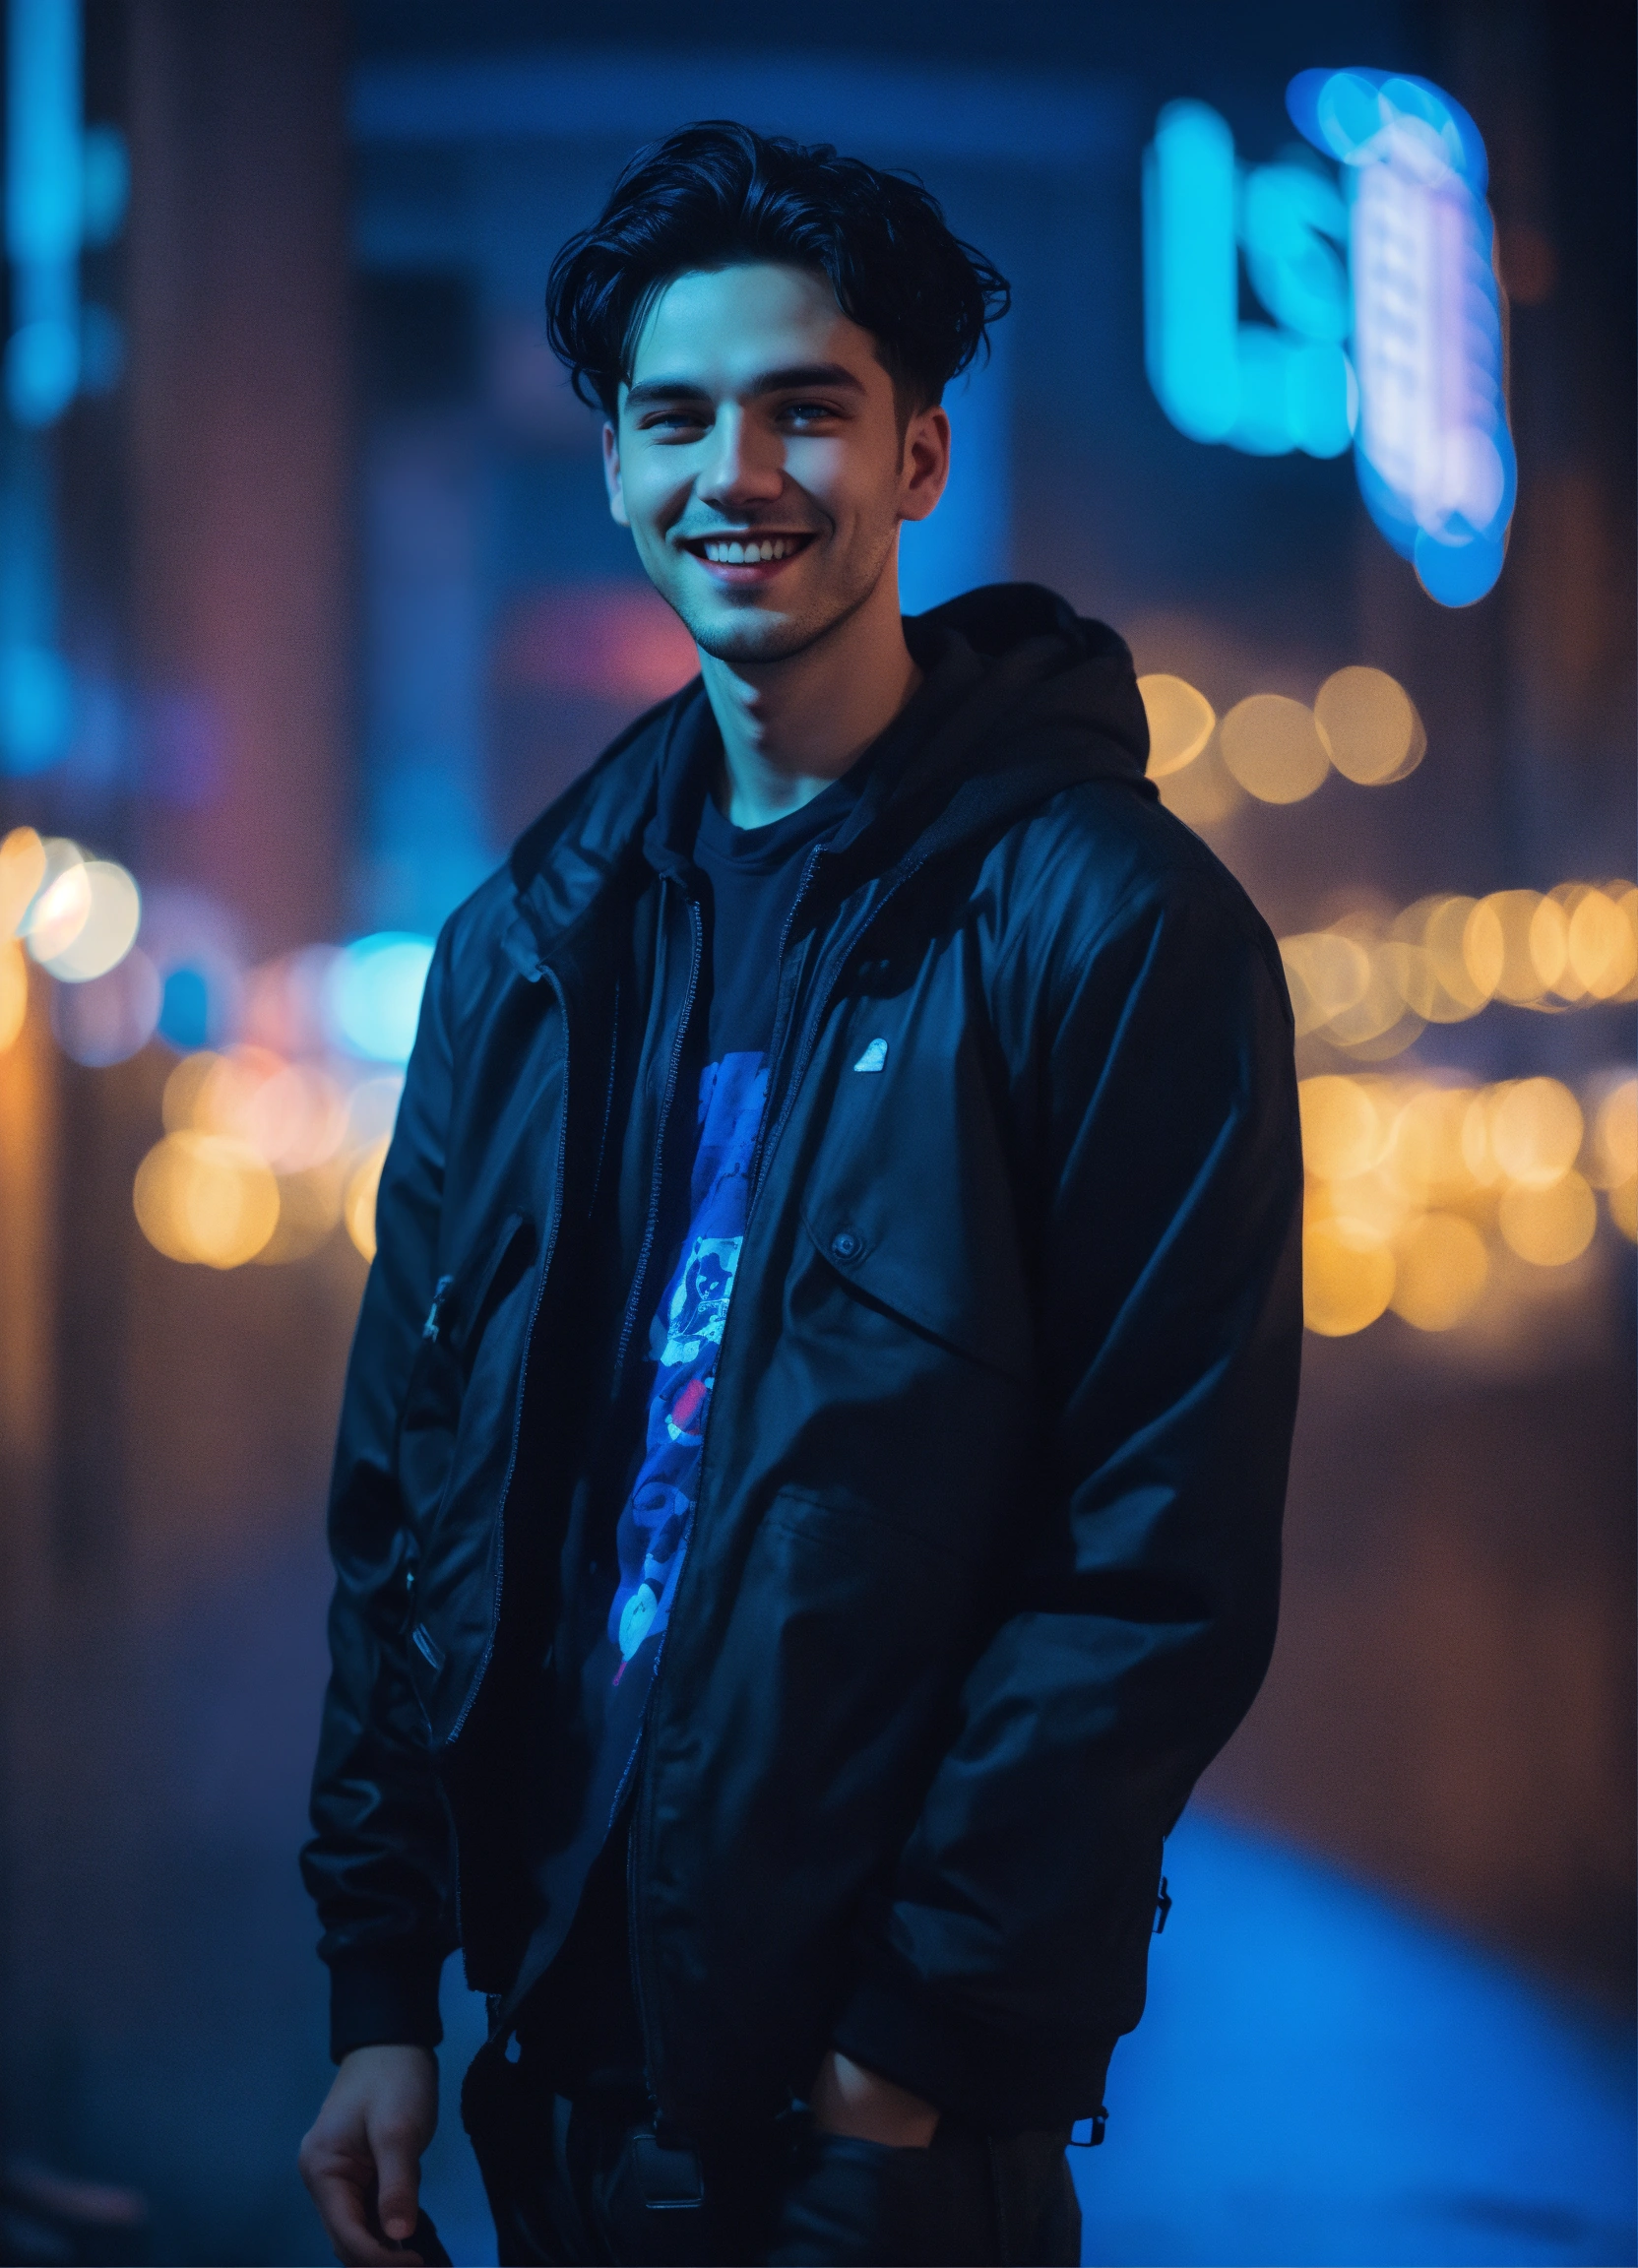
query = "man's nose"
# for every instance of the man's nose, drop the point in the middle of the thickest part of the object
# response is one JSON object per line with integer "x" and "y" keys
{"x": 745, "y": 464}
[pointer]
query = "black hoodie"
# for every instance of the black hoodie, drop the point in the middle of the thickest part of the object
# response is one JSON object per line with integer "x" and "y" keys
{"x": 984, "y": 1560}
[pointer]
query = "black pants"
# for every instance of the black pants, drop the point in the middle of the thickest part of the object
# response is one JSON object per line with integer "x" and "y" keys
{"x": 588, "y": 2181}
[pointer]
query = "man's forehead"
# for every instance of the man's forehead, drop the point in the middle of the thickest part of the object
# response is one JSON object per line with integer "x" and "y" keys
{"x": 723, "y": 329}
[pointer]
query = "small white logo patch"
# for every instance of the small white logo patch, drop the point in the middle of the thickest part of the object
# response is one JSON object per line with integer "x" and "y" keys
{"x": 874, "y": 1057}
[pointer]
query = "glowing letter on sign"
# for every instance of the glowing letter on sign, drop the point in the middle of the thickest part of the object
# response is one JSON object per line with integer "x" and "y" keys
{"x": 1190, "y": 274}
{"x": 1433, "y": 451}
{"x": 1264, "y": 389}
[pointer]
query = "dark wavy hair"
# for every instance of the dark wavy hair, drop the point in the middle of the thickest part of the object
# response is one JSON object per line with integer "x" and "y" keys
{"x": 716, "y": 194}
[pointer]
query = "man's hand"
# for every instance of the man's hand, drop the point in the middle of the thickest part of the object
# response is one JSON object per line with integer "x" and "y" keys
{"x": 361, "y": 2157}
{"x": 847, "y": 2099}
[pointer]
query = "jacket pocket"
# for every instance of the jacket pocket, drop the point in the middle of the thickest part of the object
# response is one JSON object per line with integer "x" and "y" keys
{"x": 921, "y": 1268}
{"x": 431, "y": 1412}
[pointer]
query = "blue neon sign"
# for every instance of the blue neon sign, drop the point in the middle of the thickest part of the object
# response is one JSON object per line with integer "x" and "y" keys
{"x": 1386, "y": 326}
{"x": 1257, "y": 386}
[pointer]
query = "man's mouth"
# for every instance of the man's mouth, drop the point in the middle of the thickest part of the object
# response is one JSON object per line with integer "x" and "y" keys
{"x": 749, "y": 552}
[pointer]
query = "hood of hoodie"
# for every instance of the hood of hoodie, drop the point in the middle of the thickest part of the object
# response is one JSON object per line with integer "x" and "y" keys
{"x": 1021, "y": 698}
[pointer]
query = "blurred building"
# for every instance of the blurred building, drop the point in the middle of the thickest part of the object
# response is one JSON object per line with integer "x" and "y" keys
{"x": 309, "y": 600}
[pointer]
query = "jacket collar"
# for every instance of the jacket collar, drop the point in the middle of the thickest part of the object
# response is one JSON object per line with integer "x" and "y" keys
{"x": 1022, "y": 698}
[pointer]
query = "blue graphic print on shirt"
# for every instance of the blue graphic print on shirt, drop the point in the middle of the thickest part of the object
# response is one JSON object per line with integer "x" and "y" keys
{"x": 686, "y": 1331}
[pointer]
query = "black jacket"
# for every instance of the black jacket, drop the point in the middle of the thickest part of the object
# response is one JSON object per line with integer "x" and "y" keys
{"x": 986, "y": 1559}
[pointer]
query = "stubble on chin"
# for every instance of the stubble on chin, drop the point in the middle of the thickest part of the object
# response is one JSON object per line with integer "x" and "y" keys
{"x": 753, "y": 635}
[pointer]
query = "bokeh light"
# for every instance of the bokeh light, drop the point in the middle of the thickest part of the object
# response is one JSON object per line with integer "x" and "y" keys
{"x": 1446, "y": 957}
{"x": 1614, "y": 1164}
{"x": 1550, "y": 944}
{"x": 1600, "y": 948}
{"x": 194, "y": 942}
{"x": 372, "y": 1111}
{"x": 296, "y": 1119}
{"x": 373, "y": 994}
{"x": 361, "y": 1189}
{"x": 295, "y": 1124}
{"x": 21, "y": 871}
{"x": 1381, "y": 1023}
{"x": 108, "y": 929}
{"x": 1203, "y": 794}
{"x": 207, "y": 1199}
{"x": 284, "y": 1003}
{"x": 1615, "y": 1134}
{"x": 13, "y": 991}
{"x": 1343, "y": 1131}
{"x": 1551, "y": 1225}
{"x": 1328, "y": 974}
{"x": 1440, "y": 1270}
{"x": 196, "y": 1009}
{"x": 1425, "y": 1157}
{"x": 1180, "y": 723}
{"x": 293, "y": 1114}
{"x": 1433, "y": 930}
{"x": 1347, "y": 1278}
{"x": 1273, "y": 747}
{"x": 182, "y": 1089}
{"x": 1432, "y": 1170}
{"x": 1535, "y": 1130}
{"x": 62, "y": 906}
{"x": 107, "y": 1019}
{"x": 1370, "y": 726}
{"x": 309, "y": 1206}
{"x": 1496, "y": 943}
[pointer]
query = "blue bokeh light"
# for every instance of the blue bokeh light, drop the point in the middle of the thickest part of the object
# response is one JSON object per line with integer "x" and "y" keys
{"x": 36, "y": 707}
{"x": 186, "y": 1016}
{"x": 373, "y": 994}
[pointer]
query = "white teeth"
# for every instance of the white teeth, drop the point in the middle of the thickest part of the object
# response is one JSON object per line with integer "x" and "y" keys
{"x": 726, "y": 555}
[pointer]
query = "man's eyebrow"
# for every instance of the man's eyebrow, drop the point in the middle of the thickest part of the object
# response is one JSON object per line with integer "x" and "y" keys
{"x": 799, "y": 374}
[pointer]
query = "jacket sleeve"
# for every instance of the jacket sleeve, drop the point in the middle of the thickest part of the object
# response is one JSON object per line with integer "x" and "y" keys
{"x": 380, "y": 1865}
{"x": 1012, "y": 1950}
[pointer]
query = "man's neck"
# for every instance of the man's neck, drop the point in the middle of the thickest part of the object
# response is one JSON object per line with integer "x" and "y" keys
{"x": 791, "y": 727}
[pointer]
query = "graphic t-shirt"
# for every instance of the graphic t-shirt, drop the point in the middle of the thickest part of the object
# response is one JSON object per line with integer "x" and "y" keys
{"x": 755, "y": 875}
{"x": 752, "y": 880}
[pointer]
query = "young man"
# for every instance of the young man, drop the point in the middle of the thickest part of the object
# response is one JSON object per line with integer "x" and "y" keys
{"x": 809, "y": 1484}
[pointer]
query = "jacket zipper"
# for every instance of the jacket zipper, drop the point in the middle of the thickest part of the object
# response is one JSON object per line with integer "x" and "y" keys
{"x": 673, "y": 1068}
{"x": 650, "y": 1230}
{"x": 550, "y": 1247}
{"x": 607, "y": 1103}
{"x": 434, "y": 1314}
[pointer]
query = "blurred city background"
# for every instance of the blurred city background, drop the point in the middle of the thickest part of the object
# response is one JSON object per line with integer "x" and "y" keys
{"x": 309, "y": 600}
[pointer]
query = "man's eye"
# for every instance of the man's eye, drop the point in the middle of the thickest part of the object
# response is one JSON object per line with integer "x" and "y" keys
{"x": 810, "y": 412}
{"x": 675, "y": 422}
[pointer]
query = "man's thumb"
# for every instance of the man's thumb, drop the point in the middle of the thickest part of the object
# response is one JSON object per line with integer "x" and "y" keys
{"x": 398, "y": 2180}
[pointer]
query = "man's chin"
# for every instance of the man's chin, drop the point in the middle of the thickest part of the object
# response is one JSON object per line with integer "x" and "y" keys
{"x": 754, "y": 638}
{"x": 757, "y": 634}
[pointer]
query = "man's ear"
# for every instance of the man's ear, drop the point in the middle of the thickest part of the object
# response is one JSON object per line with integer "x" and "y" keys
{"x": 612, "y": 473}
{"x": 925, "y": 465}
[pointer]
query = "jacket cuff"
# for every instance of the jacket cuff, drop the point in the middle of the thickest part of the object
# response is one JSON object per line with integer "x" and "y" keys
{"x": 384, "y": 1999}
{"x": 995, "y": 2080}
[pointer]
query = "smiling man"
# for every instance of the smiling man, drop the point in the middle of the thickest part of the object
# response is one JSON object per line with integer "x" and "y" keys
{"x": 810, "y": 1482}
